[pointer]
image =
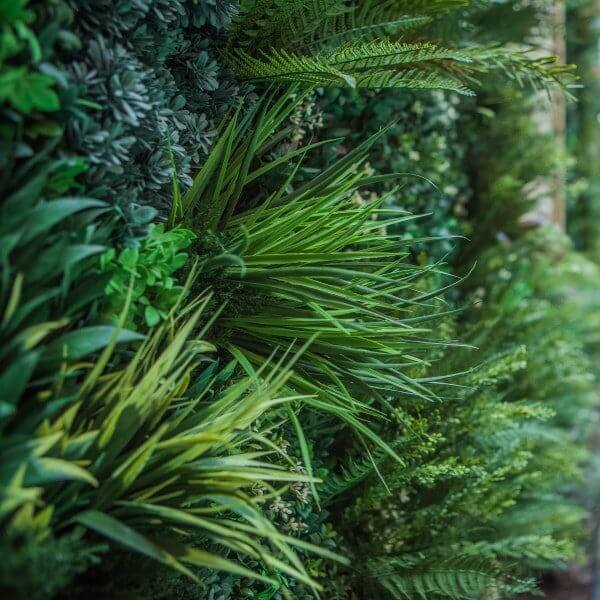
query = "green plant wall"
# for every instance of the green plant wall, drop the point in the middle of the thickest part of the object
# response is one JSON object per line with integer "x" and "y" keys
{"x": 284, "y": 341}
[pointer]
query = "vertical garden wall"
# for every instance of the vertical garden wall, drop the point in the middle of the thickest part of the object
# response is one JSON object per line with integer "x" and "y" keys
{"x": 278, "y": 315}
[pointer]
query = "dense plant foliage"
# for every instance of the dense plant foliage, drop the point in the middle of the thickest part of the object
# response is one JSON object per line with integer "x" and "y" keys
{"x": 422, "y": 144}
{"x": 245, "y": 349}
{"x": 372, "y": 44}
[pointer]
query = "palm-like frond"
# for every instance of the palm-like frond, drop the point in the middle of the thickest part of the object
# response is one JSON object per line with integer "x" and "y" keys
{"x": 274, "y": 22}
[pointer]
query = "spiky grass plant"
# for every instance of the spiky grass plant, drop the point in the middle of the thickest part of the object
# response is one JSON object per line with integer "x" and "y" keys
{"x": 371, "y": 44}
{"x": 141, "y": 455}
{"x": 314, "y": 264}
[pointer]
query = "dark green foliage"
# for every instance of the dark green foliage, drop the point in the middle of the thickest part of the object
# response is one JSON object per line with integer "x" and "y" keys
{"x": 51, "y": 241}
{"x": 422, "y": 142}
{"x": 37, "y": 568}
{"x": 151, "y": 70}
{"x": 139, "y": 85}
{"x": 50, "y": 277}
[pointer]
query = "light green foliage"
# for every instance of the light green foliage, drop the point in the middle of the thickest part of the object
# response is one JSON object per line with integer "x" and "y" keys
{"x": 26, "y": 91}
{"x": 150, "y": 269}
{"x": 29, "y": 94}
{"x": 136, "y": 453}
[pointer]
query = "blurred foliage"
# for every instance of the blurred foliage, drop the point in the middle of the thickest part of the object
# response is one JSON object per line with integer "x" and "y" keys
{"x": 508, "y": 183}
{"x": 37, "y": 569}
{"x": 483, "y": 499}
{"x": 421, "y": 143}
{"x": 583, "y": 218}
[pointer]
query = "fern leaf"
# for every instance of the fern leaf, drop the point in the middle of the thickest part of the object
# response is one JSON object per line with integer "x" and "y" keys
{"x": 265, "y": 24}
{"x": 348, "y": 27}
{"x": 458, "y": 579}
{"x": 335, "y": 42}
{"x": 352, "y": 475}
{"x": 279, "y": 23}
{"x": 280, "y": 65}
{"x": 520, "y": 66}
{"x": 412, "y": 7}
{"x": 380, "y": 18}
{"x": 368, "y": 64}
{"x": 384, "y": 54}
{"x": 412, "y": 79}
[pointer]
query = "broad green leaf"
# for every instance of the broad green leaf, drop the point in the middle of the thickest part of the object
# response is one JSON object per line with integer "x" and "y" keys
{"x": 79, "y": 344}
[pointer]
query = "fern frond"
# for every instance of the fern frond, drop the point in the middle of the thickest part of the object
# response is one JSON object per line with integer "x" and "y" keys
{"x": 332, "y": 42}
{"x": 265, "y": 24}
{"x": 353, "y": 473}
{"x": 458, "y": 579}
{"x": 384, "y": 54}
{"x": 277, "y": 23}
{"x": 280, "y": 65}
{"x": 520, "y": 66}
{"x": 412, "y": 79}
{"x": 367, "y": 64}
{"x": 520, "y": 434}
{"x": 348, "y": 28}
{"x": 543, "y": 551}
{"x": 412, "y": 7}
